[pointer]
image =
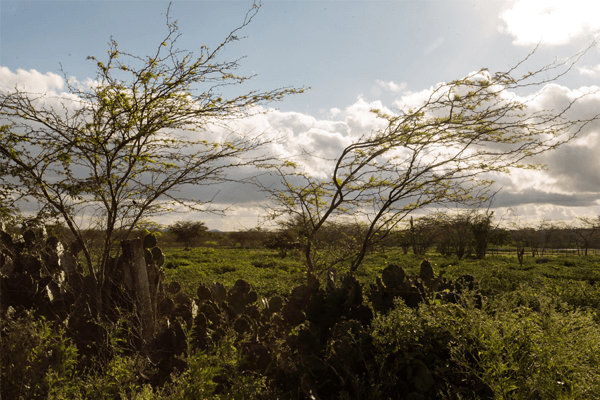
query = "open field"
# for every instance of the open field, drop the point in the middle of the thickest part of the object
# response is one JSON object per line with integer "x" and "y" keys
{"x": 573, "y": 279}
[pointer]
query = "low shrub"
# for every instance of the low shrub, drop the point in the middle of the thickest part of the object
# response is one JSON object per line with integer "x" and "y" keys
{"x": 526, "y": 345}
{"x": 40, "y": 361}
{"x": 36, "y": 360}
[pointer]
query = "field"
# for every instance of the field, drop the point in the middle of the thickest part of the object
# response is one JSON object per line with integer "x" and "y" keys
{"x": 394, "y": 330}
{"x": 572, "y": 279}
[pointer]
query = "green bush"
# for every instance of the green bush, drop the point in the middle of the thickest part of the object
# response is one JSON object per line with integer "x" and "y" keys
{"x": 415, "y": 353}
{"x": 37, "y": 361}
{"x": 215, "y": 374}
{"x": 526, "y": 345}
{"x": 522, "y": 345}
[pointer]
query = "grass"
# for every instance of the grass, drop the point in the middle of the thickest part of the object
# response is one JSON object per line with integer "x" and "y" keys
{"x": 264, "y": 270}
{"x": 573, "y": 279}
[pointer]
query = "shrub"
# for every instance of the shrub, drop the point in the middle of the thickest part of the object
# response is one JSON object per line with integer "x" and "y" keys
{"x": 37, "y": 360}
{"x": 530, "y": 346}
{"x": 522, "y": 345}
{"x": 215, "y": 374}
{"x": 415, "y": 353}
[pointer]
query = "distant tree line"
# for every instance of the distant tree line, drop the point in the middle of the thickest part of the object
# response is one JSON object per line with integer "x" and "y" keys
{"x": 469, "y": 233}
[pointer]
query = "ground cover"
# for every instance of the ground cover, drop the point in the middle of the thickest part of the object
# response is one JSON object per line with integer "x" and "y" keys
{"x": 394, "y": 331}
{"x": 573, "y": 279}
{"x": 268, "y": 273}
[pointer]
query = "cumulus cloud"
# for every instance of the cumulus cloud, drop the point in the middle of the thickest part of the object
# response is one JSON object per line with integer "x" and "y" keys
{"x": 392, "y": 86}
{"x": 312, "y": 142}
{"x": 570, "y": 186}
{"x": 30, "y": 81}
{"x": 552, "y": 22}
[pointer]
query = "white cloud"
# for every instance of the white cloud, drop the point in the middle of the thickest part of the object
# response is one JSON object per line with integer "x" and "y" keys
{"x": 31, "y": 81}
{"x": 392, "y": 86}
{"x": 569, "y": 187}
{"x": 553, "y": 22}
{"x": 589, "y": 71}
{"x": 320, "y": 138}
{"x": 334, "y": 112}
{"x": 412, "y": 100}
{"x": 88, "y": 83}
{"x": 359, "y": 118}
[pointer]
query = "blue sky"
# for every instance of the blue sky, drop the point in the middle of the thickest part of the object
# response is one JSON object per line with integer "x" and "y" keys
{"x": 353, "y": 55}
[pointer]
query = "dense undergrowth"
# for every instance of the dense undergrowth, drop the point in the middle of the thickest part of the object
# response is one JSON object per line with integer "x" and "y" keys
{"x": 513, "y": 332}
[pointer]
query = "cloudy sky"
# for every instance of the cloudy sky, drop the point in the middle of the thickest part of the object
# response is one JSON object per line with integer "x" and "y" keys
{"x": 354, "y": 56}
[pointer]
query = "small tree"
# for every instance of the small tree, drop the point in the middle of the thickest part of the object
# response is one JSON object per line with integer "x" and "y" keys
{"x": 441, "y": 152}
{"x": 457, "y": 232}
{"x": 252, "y": 237}
{"x": 499, "y": 237}
{"x": 119, "y": 151}
{"x": 586, "y": 230}
{"x": 422, "y": 233}
{"x": 525, "y": 236}
{"x": 187, "y": 232}
{"x": 546, "y": 232}
{"x": 481, "y": 227}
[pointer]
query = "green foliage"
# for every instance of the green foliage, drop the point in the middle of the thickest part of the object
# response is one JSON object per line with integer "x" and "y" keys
{"x": 36, "y": 361}
{"x": 534, "y": 335}
{"x": 519, "y": 346}
{"x": 527, "y": 345}
{"x": 215, "y": 374}
{"x": 413, "y": 353}
{"x": 263, "y": 269}
{"x": 187, "y": 232}
{"x": 39, "y": 360}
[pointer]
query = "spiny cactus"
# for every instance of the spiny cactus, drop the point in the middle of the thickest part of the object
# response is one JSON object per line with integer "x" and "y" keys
{"x": 38, "y": 272}
{"x": 395, "y": 283}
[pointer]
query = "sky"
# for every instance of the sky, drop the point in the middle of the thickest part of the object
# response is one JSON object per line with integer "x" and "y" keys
{"x": 354, "y": 56}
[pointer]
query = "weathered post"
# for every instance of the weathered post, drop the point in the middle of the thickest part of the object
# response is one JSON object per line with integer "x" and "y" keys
{"x": 134, "y": 262}
{"x": 520, "y": 254}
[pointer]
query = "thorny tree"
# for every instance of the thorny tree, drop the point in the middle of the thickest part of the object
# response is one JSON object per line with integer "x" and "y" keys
{"x": 187, "y": 232}
{"x": 445, "y": 151}
{"x": 120, "y": 150}
{"x": 585, "y": 230}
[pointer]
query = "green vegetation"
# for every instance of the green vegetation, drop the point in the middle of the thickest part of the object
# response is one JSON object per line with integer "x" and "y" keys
{"x": 396, "y": 331}
{"x": 268, "y": 273}
{"x": 326, "y": 307}
{"x": 575, "y": 280}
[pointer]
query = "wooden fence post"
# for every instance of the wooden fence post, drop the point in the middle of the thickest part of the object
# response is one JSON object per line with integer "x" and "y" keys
{"x": 135, "y": 263}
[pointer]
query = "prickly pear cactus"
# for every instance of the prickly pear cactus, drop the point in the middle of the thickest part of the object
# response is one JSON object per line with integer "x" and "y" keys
{"x": 394, "y": 283}
{"x": 415, "y": 290}
{"x": 34, "y": 269}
